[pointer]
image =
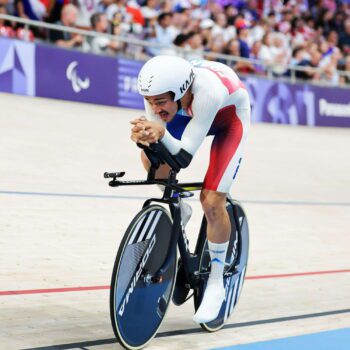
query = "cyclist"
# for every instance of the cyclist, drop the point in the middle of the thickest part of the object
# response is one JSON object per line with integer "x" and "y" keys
{"x": 185, "y": 102}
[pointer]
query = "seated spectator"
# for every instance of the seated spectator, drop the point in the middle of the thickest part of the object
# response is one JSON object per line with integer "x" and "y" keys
{"x": 115, "y": 6}
{"x": 258, "y": 31}
{"x": 243, "y": 35}
{"x": 217, "y": 45}
{"x": 7, "y": 29}
{"x": 222, "y": 28}
{"x": 86, "y": 10}
{"x": 313, "y": 62}
{"x": 257, "y": 67}
{"x": 298, "y": 54}
{"x": 165, "y": 33}
{"x": 65, "y": 39}
{"x": 280, "y": 53}
{"x": 122, "y": 25}
{"x": 54, "y": 9}
{"x": 9, "y": 6}
{"x": 134, "y": 10}
{"x": 265, "y": 53}
{"x": 31, "y": 9}
{"x": 5, "y": 26}
{"x": 125, "y": 26}
{"x": 232, "y": 48}
{"x": 195, "y": 43}
{"x": 206, "y": 30}
{"x": 329, "y": 67}
{"x": 344, "y": 40}
{"x": 181, "y": 41}
{"x": 345, "y": 79}
{"x": 150, "y": 10}
{"x": 102, "y": 44}
{"x": 181, "y": 19}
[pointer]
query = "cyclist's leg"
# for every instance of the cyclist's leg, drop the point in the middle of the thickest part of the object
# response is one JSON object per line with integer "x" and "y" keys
{"x": 161, "y": 173}
{"x": 225, "y": 158}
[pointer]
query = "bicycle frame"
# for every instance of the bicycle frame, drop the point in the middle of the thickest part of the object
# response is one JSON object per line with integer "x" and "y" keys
{"x": 171, "y": 196}
{"x": 172, "y": 192}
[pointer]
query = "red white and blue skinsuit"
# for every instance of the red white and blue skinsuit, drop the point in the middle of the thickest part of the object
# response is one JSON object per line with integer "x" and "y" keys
{"x": 220, "y": 107}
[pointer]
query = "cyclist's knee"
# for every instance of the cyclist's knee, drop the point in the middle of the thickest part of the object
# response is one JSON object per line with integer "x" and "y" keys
{"x": 212, "y": 203}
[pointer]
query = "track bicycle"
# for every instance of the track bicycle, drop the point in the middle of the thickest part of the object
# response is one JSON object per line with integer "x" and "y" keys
{"x": 147, "y": 273}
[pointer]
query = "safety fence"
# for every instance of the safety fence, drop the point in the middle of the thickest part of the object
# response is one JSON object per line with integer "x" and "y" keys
{"x": 35, "y": 69}
{"x": 272, "y": 70}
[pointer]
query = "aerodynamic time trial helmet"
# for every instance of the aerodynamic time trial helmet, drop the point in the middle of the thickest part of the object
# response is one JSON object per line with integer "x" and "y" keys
{"x": 162, "y": 74}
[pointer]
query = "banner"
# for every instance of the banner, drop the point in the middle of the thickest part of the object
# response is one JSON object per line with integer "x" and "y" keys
{"x": 127, "y": 84}
{"x": 75, "y": 76}
{"x": 17, "y": 67}
{"x": 298, "y": 104}
{"x": 49, "y": 71}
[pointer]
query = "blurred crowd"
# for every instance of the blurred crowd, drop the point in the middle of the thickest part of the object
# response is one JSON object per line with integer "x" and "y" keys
{"x": 278, "y": 34}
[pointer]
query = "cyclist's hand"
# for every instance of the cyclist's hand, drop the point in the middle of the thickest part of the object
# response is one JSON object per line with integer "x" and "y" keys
{"x": 138, "y": 131}
{"x": 146, "y": 132}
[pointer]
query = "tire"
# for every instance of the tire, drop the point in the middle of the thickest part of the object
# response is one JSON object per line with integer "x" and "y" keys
{"x": 137, "y": 307}
{"x": 236, "y": 260}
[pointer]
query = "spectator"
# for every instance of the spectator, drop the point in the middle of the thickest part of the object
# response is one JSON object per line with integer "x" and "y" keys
{"x": 257, "y": 68}
{"x": 181, "y": 41}
{"x": 195, "y": 43}
{"x": 231, "y": 13}
{"x": 150, "y": 10}
{"x": 9, "y": 6}
{"x": 258, "y": 31}
{"x": 206, "y": 30}
{"x": 243, "y": 34}
{"x": 31, "y": 9}
{"x": 344, "y": 40}
{"x": 54, "y": 10}
{"x": 165, "y": 33}
{"x": 65, "y": 39}
{"x": 313, "y": 62}
{"x": 125, "y": 26}
{"x": 102, "y": 44}
{"x": 251, "y": 12}
{"x": 122, "y": 25}
{"x": 233, "y": 48}
{"x": 280, "y": 53}
{"x": 222, "y": 28}
{"x": 345, "y": 79}
{"x": 86, "y": 10}
{"x": 265, "y": 52}
{"x": 5, "y": 26}
{"x": 115, "y": 6}
{"x": 217, "y": 45}
{"x": 181, "y": 19}
{"x": 329, "y": 70}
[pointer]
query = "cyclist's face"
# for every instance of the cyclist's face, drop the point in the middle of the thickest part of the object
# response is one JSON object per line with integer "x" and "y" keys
{"x": 163, "y": 106}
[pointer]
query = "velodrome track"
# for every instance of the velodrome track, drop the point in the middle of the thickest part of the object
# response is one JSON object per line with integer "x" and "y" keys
{"x": 60, "y": 226}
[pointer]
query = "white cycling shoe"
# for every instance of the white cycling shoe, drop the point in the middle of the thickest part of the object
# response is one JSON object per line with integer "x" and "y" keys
{"x": 213, "y": 298}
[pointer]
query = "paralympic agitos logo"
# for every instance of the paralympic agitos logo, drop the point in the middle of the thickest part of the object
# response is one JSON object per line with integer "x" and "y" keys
{"x": 137, "y": 276}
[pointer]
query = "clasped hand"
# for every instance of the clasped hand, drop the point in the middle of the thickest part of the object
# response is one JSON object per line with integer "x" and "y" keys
{"x": 145, "y": 131}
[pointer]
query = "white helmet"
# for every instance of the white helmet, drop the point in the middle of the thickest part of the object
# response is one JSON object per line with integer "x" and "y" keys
{"x": 165, "y": 73}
